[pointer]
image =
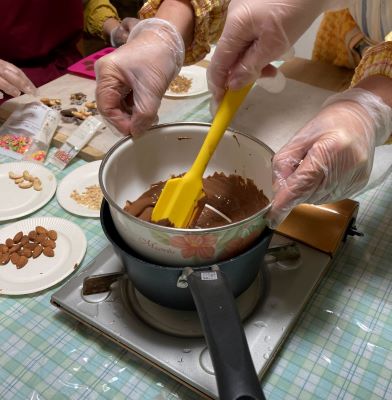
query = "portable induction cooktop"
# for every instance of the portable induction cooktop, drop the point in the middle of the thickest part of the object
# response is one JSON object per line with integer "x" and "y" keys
{"x": 171, "y": 339}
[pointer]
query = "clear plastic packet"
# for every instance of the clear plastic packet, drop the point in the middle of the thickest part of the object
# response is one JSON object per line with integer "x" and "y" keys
{"x": 28, "y": 131}
{"x": 79, "y": 138}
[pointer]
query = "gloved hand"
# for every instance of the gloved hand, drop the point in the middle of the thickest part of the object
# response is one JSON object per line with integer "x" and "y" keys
{"x": 257, "y": 32}
{"x": 331, "y": 157}
{"x": 13, "y": 80}
{"x": 120, "y": 34}
{"x": 132, "y": 80}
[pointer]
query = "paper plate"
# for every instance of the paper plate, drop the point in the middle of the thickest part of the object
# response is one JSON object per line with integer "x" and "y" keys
{"x": 79, "y": 180}
{"x": 199, "y": 82}
{"x": 16, "y": 202}
{"x": 43, "y": 272}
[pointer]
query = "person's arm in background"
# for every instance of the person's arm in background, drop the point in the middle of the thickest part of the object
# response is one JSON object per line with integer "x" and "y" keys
{"x": 132, "y": 80}
{"x": 100, "y": 18}
{"x": 332, "y": 156}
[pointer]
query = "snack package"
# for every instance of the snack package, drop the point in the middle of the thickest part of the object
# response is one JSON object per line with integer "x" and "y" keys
{"x": 28, "y": 131}
{"x": 79, "y": 138}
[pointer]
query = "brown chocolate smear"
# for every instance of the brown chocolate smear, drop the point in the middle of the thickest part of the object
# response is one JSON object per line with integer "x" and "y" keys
{"x": 235, "y": 197}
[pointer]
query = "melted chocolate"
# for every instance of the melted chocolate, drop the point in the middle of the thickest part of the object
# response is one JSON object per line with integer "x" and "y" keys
{"x": 235, "y": 197}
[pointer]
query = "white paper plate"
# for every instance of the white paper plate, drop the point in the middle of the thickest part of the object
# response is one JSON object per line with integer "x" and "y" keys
{"x": 79, "y": 179}
{"x": 16, "y": 202}
{"x": 199, "y": 82}
{"x": 43, "y": 272}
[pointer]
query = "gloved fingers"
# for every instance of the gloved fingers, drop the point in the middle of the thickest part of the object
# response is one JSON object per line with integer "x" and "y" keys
{"x": 120, "y": 35}
{"x": 297, "y": 188}
{"x": 13, "y": 80}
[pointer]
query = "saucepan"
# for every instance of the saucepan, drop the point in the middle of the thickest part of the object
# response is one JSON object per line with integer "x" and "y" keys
{"x": 131, "y": 166}
{"x": 211, "y": 289}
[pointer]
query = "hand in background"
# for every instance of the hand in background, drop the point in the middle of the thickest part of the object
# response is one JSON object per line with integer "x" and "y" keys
{"x": 13, "y": 80}
{"x": 132, "y": 80}
{"x": 120, "y": 34}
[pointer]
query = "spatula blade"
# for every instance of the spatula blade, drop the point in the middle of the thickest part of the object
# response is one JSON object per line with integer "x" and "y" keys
{"x": 178, "y": 201}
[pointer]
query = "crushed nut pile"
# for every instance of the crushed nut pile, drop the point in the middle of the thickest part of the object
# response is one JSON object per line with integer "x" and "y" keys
{"x": 26, "y": 181}
{"x": 91, "y": 197}
{"x": 21, "y": 247}
{"x": 180, "y": 84}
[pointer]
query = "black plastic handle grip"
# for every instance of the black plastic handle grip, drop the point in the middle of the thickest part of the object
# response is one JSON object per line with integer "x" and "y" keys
{"x": 234, "y": 370}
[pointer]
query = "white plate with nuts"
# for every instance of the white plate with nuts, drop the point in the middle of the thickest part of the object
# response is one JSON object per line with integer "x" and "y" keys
{"x": 25, "y": 187}
{"x": 191, "y": 81}
{"x": 37, "y": 253}
{"x": 79, "y": 192}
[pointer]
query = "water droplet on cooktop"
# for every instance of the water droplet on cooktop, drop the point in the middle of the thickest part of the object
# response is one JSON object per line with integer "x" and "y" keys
{"x": 186, "y": 350}
{"x": 260, "y": 324}
{"x": 266, "y": 356}
{"x": 267, "y": 338}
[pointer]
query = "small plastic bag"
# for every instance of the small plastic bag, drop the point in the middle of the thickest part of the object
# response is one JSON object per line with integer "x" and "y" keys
{"x": 79, "y": 138}
{"x": 28, "y": 131}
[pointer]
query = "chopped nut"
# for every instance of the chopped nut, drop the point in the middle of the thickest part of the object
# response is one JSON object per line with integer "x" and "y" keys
{"x": 91, "y": 197}
{"x": 180, "y": 84}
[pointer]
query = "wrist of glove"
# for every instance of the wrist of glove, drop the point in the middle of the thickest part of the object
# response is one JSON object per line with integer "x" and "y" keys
{"x": 167, "y": 33}
{"x": 332, "y": 156}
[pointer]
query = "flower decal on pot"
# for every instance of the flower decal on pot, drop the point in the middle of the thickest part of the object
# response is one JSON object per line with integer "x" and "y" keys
{"x": 239, "y": 244}
{"x": 200, "y": 246}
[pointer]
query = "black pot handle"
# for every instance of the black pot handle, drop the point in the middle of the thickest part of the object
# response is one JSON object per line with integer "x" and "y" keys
{"x": 235, "y": 373}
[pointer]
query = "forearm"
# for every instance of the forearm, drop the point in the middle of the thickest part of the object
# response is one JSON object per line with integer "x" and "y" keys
{"x": 379, "y": 85}
{"x": 180, "y": 14}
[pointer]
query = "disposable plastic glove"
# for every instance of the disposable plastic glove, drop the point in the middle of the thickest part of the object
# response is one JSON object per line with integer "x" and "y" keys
{"x": 132, "y": 80}
{"x": 331, "y": 157}
{"x": 257, "y": 32}
{"x": 120, "y": 34}
{"x": 13, "y": 80}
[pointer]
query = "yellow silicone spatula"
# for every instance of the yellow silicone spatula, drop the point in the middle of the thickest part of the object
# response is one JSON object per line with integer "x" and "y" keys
{"x": 180, "y": 196}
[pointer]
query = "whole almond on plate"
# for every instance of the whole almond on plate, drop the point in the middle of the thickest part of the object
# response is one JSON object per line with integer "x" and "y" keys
{"x": 3, "y": 248}
{"x": 21, "y": 262}
{"x": 15, "y": 248}
{"x": 4, "y": 258}
{"x": 27, "y": 252}
{"x": 41, "y": 230}
{"x": 48, "y": 252}
{"x": 32, "y": 235}
{"x": 37, "y": 251}
{"x": 52, "y": 234}
{"x": 18, "y": 237}
{"x": 14, "y": 258}
{"x": 24, "y": 240}
{"x": 9, "y": 243}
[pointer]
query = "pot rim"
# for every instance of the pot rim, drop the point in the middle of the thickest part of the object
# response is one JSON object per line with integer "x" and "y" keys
{"x": 167, "y": 229}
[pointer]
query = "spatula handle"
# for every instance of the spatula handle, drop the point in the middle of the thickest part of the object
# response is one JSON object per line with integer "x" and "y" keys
{"x": 228, "y": 107}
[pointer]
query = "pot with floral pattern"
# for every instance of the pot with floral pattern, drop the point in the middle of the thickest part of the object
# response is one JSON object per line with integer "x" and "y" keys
{"x": 131, "y": 166}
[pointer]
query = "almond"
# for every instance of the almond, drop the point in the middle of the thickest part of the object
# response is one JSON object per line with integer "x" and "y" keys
{"x": 27, "y": 252}
{"x": 41, "y": 238}
{"x": 9, "y": 243}
{"x": 18, "y": 237}
{"x": 24, "y": 240}
{"x": 48, "y": 252}
{"x": 52, "y": 234}
{"x": 3, "y": 248}
{"x": 15, "y": 248}
{"x": 31, "y": 246}
{"x": 22, "y": 261}
{"x": 4, "y": 258}
{"x": 14, "y": 258}
{"x": 32, "y": 235}
{"x": 41, "y": 230}
{"x": 37, "y": 251}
